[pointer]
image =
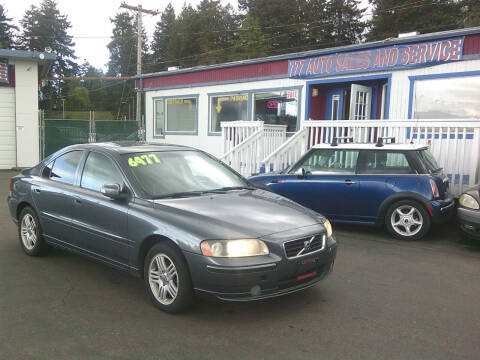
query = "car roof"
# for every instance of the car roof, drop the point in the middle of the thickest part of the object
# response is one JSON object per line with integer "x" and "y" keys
{"x": 372, "y": 146}
{"x": 127, "y": 147}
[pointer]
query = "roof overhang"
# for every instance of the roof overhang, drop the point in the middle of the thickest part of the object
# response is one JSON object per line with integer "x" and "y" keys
{"x": 43, "y": 59}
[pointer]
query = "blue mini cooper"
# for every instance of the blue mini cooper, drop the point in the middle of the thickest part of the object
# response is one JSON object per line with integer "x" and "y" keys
{"x": 396, "y": 185}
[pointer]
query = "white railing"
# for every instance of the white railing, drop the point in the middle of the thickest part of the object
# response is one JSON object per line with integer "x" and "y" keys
{"x": 246, "y": 143}
{"x": 454, "y": 143}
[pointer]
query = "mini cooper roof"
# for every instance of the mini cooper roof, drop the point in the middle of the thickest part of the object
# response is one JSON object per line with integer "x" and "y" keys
{"x": 373, "y": 146}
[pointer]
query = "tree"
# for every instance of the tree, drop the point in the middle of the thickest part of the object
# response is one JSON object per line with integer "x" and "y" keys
{"x": 278, "y": 20}
{"x": 123, "y": 46}
{"x": 44, "y": 27}
{"x": 471, "y": 12}
{"x": 391, "y": 17}
{"x": 160, "y": 58}
{"x": 78, "y": 98}
{"x": 251, "y": 41}
{"x": 7, "y": 30}
{"x": 344, "y": 21}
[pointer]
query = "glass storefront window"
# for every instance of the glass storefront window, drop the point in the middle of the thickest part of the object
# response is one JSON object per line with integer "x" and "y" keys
{"x": 159, "y": 117}
{"x": 181, "y": 114}
{"x": 277, "y": 108}
{"x": 227, "y": 108}
{"x": 447, "y": 98}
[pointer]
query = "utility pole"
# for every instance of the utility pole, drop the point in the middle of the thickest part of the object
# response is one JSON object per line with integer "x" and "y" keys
{"x": 139, "y": 11}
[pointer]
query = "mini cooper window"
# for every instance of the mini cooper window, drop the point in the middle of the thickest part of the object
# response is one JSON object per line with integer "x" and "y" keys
{"x": 330, "y": 161}
{"x": 99, "y": 170}
{"x": 383, "y": 162}
{"x": 65, "y": 166}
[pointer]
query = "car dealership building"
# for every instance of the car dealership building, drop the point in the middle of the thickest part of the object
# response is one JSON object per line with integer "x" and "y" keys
{"x": 429, "y": 76}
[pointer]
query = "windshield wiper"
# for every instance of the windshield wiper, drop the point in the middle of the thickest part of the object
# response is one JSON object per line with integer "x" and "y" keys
{"x": 229, "y": 188}
{"x": 180, "y": 194}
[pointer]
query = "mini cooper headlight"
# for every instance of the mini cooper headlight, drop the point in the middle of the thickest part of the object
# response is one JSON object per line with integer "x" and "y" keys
{"x": 328, "y": 228}
{"x": 234, "y": 248}
{"x": 468, "y": 201}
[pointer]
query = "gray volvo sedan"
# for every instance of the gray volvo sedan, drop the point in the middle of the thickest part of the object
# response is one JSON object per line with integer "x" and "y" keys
{"x": 177, "y": 217}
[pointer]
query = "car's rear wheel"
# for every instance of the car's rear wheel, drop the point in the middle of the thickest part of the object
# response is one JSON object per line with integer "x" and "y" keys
{"x": 407, "y": 220}
{"x": 30, "y": 233}
{"x": 167, "y": 278}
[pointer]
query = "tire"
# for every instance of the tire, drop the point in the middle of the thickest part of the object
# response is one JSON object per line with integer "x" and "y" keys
{"x": 407, "y": 220}
{"x": 171, "y": 290}
{"x": 30, "y": 233}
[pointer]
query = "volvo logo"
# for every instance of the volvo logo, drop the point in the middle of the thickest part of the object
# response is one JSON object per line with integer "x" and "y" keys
{"x": 306, "y": 246}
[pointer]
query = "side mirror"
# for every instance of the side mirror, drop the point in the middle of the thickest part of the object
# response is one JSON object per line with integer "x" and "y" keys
{"x": 113, "y": 191}
{"x": 301, "y": 173}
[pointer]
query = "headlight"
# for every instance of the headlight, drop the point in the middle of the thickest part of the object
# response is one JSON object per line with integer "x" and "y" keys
{"x": 328, "y": 228}
{"x": 234, "y": 248}
{"x": 468, "y": 201}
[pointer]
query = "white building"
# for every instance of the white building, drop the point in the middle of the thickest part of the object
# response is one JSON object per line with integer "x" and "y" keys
{"x": 19, "y": 126}
{"x": 431, "y": 76}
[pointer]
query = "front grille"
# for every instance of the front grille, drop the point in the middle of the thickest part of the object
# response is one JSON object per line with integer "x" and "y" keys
{"x": 304, "y": 245}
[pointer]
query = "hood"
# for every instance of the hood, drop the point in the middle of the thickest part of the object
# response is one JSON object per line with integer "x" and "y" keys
{"x": 237, "y": 214}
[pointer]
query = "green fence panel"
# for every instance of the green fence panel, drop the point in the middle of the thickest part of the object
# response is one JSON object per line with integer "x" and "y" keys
{"x": 116, "y": 130}
{"x": 61, "y": 133}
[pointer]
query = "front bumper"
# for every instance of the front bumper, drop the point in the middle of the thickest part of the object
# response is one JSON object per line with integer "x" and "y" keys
{"x": 260, "y": 277}
{"x": 469, "y": 221}
{"x": 443, "y": 210}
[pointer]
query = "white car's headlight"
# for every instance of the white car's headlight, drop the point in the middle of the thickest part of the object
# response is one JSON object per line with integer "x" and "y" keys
{"x": 328, "y": 228}
{"x": 234, "y": 248}
{"x": 468, "y": 201}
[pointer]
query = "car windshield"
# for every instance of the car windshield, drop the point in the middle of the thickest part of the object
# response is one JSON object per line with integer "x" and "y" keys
{"x": 181, "y": 173}
{"x": 429, "y": 161}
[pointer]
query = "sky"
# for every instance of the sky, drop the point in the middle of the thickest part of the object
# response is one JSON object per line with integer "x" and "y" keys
{"x": 90, "y": 20}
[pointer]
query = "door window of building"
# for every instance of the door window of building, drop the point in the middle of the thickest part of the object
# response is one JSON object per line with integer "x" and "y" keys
{"x": 360, "y": 102}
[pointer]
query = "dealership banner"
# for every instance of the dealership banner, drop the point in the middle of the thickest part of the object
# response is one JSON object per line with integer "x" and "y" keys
{"x": 386, "y": 58}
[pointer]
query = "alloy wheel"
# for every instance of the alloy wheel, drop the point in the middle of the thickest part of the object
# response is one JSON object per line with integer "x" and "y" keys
{"x": 163, "y": 279}
{"x": 28, "y": 231}
{"x": 406, "y": 220}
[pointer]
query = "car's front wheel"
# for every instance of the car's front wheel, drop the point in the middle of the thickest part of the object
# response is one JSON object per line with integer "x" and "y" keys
{"x": 167, "y": 278}
{"x": 30, "y": 233}
{"x": 407, "y": 220}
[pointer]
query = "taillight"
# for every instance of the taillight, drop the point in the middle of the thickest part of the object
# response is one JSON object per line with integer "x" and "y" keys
{"x": 11, "y": 184}
{"x": 434, "y": 187}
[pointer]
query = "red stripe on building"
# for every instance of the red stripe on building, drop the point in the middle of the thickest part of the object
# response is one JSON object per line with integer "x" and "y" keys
{"x": 471, "y": 45}
{"x": 240, "y": 72}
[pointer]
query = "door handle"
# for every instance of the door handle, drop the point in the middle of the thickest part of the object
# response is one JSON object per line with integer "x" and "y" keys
{"x": 77, "y": 201}
{"x": 37, "y": 190}
{"x": 349, "y": 182}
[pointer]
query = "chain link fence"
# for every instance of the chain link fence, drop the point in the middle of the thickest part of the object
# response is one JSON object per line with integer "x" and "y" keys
{"x": 55, "y": 134}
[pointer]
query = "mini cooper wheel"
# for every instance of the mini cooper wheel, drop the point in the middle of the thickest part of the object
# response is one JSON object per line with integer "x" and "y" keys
{"x": 167, "y": 278}
{"x": 30, "y": 233}
{"x": 407, "y": 220}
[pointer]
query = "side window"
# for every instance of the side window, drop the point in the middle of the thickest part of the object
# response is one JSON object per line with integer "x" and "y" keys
{"x": 330, "y": 161}
{"x": 65, "y": 166}
{"x": 99, "y": 170}
{"x": 384, "y": 162}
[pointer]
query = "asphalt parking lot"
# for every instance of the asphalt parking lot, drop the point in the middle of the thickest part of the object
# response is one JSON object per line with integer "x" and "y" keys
{"x": 386, "y": 299}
